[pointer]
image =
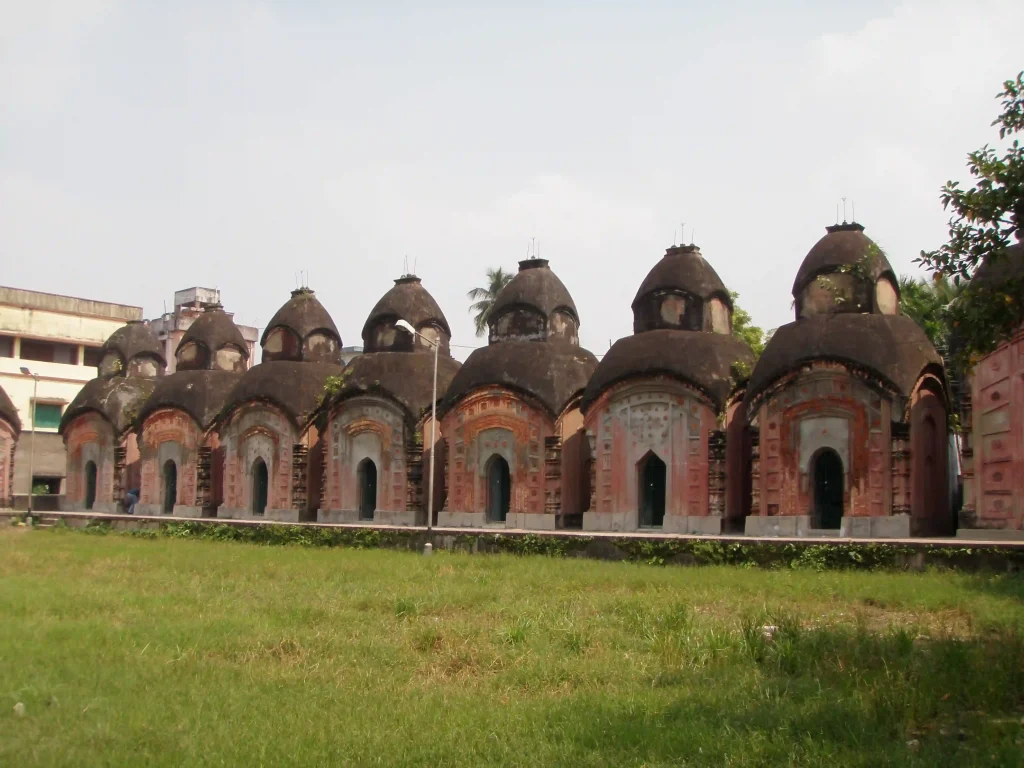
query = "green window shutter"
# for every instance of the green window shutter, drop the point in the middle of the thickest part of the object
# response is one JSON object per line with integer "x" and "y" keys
{"x": 48, "y": 415}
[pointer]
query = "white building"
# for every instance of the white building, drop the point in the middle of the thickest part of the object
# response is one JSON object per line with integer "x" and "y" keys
{"x": 56, "y": 339}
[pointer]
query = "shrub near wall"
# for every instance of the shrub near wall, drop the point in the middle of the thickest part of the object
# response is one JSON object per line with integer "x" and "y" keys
{"x": 691, "y": 551}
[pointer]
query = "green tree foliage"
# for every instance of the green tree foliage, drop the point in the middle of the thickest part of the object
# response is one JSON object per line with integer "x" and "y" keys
{"x": 743, "y": 328}
{"x": 929, "y": 303}
{"x": 985, "y": 219}
{"x": 483, "y": 298}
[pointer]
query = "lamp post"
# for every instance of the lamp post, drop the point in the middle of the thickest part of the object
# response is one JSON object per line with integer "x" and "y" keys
{"x": 32, "y": 448}
{"x": 429, "y": 546}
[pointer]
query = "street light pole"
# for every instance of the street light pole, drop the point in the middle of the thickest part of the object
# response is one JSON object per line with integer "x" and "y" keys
{"x": 32, "y": 447}
{"x": 429, "y": 546}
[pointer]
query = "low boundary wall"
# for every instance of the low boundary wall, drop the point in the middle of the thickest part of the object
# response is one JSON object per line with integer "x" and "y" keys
{"x": 657, "y": 548}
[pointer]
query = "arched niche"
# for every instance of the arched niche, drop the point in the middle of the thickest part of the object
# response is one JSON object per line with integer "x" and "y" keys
{"x": 887, "y": 300}
{"x": 519, "y": 324}
{"x": 719, "y": 316}
{"x": 112, "y": 364}
{"x": 144, "y": 367}
{"x": 191, "y": 357}
{"x": 563, "y": 326}
{"x": 282, "y": 344}
{"x": 320, "y": 347}
{"x": 835, "y": 293}
{"x": 229, "y": 358}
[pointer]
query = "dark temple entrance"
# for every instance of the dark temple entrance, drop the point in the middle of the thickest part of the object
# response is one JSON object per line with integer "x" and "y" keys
{"x": 367, "y": 480}
{"x": 652, "y": 492}
{"x": 90, "y": 484}
{"x": 170, "y": 486}
{"x": 827, "y": 474}
{"x": 259, "y": 487}
{"x": 498, "y": 490}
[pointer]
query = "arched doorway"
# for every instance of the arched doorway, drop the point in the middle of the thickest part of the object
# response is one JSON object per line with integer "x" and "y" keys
{"x": 367, "y": 483}
{"x": 90, "y": 484}
{"x": 827, "y": 478}
{"x": 170, "y": 486}
{"x": 652, "y": 492}
{"x": 260, "y": 483}
{"x": 499, "y": 489}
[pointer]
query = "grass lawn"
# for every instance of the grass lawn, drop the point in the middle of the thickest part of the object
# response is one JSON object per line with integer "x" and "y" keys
{"x": 129, "y": 651}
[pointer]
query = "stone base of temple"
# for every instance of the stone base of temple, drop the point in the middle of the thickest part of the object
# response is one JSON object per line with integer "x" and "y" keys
{"x": 626, "y": 522}
{"x": 380, "y": 517}
{"x": 156, "y": 510}
{"x": 887, "y": 527}
{"x": 990, "y": 534}
{"x": 275, "y": 515}
{"x": 515, "y": 520}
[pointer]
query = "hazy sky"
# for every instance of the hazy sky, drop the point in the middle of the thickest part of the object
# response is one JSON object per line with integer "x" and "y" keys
{"x": 151, "y": 146}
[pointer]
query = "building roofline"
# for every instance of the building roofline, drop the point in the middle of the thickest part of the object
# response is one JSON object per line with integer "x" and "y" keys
{"x": 128, "y": 311}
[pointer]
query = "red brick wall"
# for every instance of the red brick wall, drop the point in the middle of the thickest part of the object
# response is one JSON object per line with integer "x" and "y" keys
{"x": 257, "y": 430}
{"x": 89, "y": 436}
{"x": 525, "y": 426}
{"x": 825, "y": 392}
{"x": 178, "y": 428}
{"x": 997, "y": 396}
{"x": 929, "y": 457}
{"x": 658, "y": 414}
{"x": 361, "y": 428}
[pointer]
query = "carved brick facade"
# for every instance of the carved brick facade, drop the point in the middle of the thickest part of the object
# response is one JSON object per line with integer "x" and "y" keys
{"x": 171, "y": 444}
{"x": 993, "y": 449}
{"x": 261, "y": 432}
{"x": 91, "y": 445}
{"x": 496, "y": 422}
{"x": 661, "y": 417}
{"x": 364, "y": 431}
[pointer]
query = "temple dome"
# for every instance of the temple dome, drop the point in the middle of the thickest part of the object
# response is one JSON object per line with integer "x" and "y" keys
{"x": 682, "y": 292}
{"x": 212, "y": 342}
{"x": 8, "y": 412}
{"x": 534, "y": 306}
{"x": 297, "y": 388}
{"x": 992, "y": 273}
{"x": 405, "y": 377}
{"x": 407, "y": 300}
{"x": 711, "y": 363}
{"x": 132, "y": 350}
{"x": 845, "y": 271}
{"x": 199, "y": 393}
{"x": 551, "y": 373}
{"x": 891, "y": 348}
{"x": 302, "y": 331}
{"x": 116, "y": 398}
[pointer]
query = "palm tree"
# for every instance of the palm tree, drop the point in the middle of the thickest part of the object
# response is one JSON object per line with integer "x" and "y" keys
{"x": 928, "y": 302}
{"x": 483, "y": 298}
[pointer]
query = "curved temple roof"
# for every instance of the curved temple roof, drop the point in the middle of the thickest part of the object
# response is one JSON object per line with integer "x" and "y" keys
{"x": 552, "y": 372}
{"x": 295, "y": 387}
{"x": 302, "y": 313}
{"x": 406, "y": 377}
{"x": 215, "y": 329}
{"x": 684, "y": 268}
{"x": 844, "y": 245}
{"x": 703, "y": 360}
{"x": 408, "y": 300}
{"x": 535, "y": 285}
{"x": 117, "y": 399}
{"x": 892, "y": 347}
